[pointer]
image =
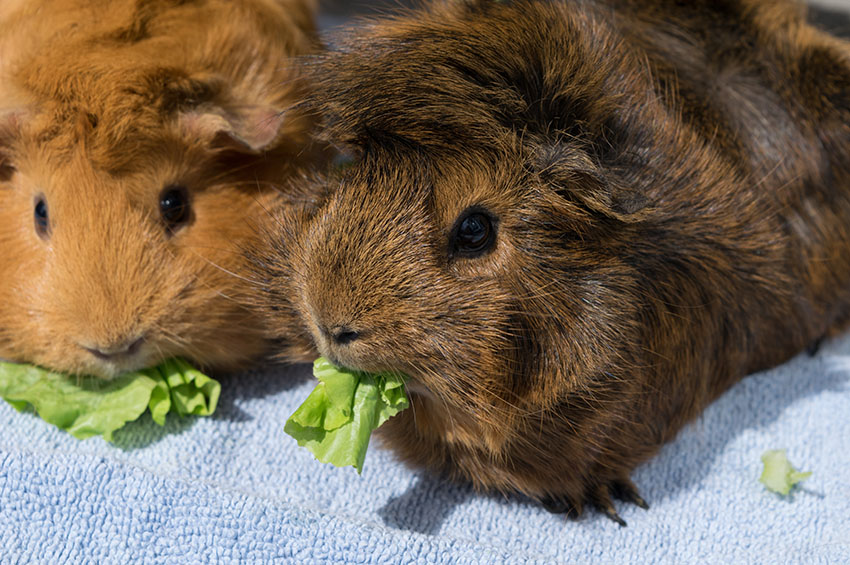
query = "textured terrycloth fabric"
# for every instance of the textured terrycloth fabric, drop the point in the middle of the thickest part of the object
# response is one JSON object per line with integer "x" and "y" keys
{"x": 234, "y": 487}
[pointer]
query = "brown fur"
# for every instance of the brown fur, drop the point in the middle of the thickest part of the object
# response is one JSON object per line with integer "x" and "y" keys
{"x": 102, "y": 105}
{"x": 671, "y": 185}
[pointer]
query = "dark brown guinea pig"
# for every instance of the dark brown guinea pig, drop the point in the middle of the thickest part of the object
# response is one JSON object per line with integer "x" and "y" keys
{"x": 575, "y": 224}
{"x": 141, "y": 142}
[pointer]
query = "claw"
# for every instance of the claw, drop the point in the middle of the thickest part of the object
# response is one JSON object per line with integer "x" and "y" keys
{"x": 601, "y": 499}
{"x": 625, "y": 490}
{"x": 560, "y": 505}
{"x": 814, "y": 347}
{"x": 612, "y": 514}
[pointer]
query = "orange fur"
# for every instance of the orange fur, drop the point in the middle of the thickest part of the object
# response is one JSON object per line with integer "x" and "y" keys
{"x": 102, "y": 105}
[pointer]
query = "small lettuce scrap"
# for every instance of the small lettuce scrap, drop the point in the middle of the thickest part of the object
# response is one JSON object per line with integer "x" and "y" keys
{"x": 778, "y": 475}
{"x": 338, "y": 418}
{"x": 88, "y": 406}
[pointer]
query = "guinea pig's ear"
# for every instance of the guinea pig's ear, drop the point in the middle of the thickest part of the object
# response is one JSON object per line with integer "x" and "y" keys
{"x": 250, "y": 129}
{"x": 10, "y": 125}
{"x": 573, "y": 173}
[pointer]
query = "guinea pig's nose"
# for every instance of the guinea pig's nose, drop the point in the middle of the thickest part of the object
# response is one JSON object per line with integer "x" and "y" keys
{"x": 108, "y": 352}
{"x": 343, "y": 335}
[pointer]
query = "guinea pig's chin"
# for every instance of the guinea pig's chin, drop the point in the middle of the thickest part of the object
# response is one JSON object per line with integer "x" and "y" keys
{"x": 347, "y": 362}
{"x": 108, "y": 370}
{"x": 355, "y": 364}
{"x": 342, "y": 359}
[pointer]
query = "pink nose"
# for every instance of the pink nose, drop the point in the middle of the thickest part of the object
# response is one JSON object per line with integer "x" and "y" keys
{"x": 108, "y": 353}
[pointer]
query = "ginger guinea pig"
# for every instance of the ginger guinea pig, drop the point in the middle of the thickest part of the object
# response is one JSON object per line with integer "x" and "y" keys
{"x": 140, "y": 145}
{"x": 575, "y": 224}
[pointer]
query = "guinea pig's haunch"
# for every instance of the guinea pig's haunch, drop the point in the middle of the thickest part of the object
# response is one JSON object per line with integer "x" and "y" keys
{"x": 574, "y": 225}
{"x": 141, "y": 144}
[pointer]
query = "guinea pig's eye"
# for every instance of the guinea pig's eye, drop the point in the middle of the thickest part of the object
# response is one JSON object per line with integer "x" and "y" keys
{"x": 474, "y": 233}
{"x": 174, "y": 206}
{"x": 42, "y": 220}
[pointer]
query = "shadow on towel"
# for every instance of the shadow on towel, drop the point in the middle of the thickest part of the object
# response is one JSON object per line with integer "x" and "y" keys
{"x": 425, "y": 505}
{"x": 259, "y": 383}
{"x": 144, "y": 431}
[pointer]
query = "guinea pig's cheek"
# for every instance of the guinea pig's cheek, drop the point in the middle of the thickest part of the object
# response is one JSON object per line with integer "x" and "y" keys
{"x": 492, "y": 263}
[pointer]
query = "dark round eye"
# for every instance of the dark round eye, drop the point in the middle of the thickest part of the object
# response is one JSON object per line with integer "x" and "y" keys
{"x": 42, "y": 220}
{"x": 474, "y": 234}
{"x": 174, "y": 206}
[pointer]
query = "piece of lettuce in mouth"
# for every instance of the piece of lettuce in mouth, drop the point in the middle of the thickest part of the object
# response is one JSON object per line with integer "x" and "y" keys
{"x": 88, "y": 406}
{"x": 338, "y": 418}
{"x": 778, "y": 475}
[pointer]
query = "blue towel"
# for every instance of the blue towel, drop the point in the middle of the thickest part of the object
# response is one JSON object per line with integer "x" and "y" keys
{"x": 234, "y": 487}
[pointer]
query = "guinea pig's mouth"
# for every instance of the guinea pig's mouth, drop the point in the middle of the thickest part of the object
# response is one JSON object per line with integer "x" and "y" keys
{"x": 109, "y": 370}
{"x": 413, "y": 386}
{"x": 124, "y": 352}
{"x": 108, "y": 364}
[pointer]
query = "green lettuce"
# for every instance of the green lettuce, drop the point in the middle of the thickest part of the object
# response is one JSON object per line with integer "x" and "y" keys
{"x": 778, "y": 475}
{"x": 88, "y": 406}
{"x": 337, "y": 419}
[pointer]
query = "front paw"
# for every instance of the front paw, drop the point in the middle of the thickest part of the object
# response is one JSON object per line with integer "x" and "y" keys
{"x": 598, "y": 496}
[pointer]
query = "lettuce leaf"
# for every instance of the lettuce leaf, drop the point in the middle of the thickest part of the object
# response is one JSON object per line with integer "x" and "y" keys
{"x": 778, "y": 475}
{"x": 88, "y": 406}
{"x": 336, "y": 421}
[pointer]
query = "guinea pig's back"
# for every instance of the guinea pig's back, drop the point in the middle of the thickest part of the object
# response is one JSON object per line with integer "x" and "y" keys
{"x": 748, "y": 75}
{"x": 771, "y": 94}
{"x": 246, "y": 41}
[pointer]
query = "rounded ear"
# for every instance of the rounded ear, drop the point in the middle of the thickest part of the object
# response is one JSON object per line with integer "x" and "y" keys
{"x": 249, "y": 128}
{"x": 207, "y": 110}
{"x": 572, "y": 173}
{"x": 10, "y": 129}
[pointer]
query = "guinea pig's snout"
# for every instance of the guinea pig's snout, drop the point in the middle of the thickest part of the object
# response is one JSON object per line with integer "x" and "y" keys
{"x": 342, "y": 335}
{"x": 342, "y": 342}
{"x": 120, "y": 349}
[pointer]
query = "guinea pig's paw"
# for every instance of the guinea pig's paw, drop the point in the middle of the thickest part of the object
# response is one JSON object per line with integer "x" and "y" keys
{"x": 625, "y": 490}
{"x": 600, "y": 497}
{"x": 562, "y": 505}
{"x": 622, "y": 489}
{"x": 814, "y": 347}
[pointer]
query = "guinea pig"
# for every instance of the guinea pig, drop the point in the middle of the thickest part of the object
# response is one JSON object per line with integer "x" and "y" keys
{"x": 573, "y": 225}
{"x": 141, "y": 143}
